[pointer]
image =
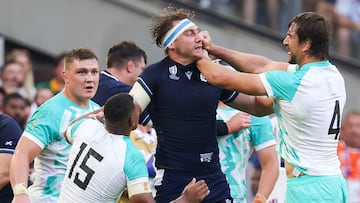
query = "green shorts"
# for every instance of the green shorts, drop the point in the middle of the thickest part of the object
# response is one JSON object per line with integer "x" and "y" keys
{"x": 317, "y": 189}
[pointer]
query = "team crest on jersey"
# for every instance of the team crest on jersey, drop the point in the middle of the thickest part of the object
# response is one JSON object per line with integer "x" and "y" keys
{"x": 206, "y": 157}
{"x": 34, "y": 123}
{"x": 202, "y": 78}
{"x": 173, "y": 72}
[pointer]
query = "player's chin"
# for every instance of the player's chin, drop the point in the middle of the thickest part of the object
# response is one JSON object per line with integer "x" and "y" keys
{"x": 89, "y": 95}
{"x": 197, "y": 57}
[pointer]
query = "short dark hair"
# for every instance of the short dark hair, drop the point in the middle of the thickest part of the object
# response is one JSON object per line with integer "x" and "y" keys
{"x": 314, "y": 27}
{"x": 119, "y": 54}
{"x": 79, "y": 54}
{"x": 119, "y": 108}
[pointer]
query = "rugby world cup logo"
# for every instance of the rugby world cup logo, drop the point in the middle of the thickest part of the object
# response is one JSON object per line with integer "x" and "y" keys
{"x": 173, "y": 72}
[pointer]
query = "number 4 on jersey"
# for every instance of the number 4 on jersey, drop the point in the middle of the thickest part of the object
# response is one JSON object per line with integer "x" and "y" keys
{"x": 336, "y": 117}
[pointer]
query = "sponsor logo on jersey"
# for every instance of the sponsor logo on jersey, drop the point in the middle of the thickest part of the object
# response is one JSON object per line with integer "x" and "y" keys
{"x": 9, "y": 143}
{"x": 206, "y": 157}
{"x": 188, "y": 74}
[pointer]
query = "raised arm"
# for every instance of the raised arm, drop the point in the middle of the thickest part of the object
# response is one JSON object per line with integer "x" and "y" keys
{"x": 255, "y": 105}
{"x": 244, "y": 62}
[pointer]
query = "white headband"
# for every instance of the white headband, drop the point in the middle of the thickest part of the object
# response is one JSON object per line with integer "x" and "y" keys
{"x": 172, "y": 34}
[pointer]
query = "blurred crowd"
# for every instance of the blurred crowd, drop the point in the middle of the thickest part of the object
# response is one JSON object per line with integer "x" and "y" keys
{"x": 344, "y": 15}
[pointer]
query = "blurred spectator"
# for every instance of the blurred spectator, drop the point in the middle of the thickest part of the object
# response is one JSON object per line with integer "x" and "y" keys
{"x": 10, "y": 133}
{"x": 56, "y": 82}
{"x": 327, "y": 9}
{"x": 11, "y": 77}
{"x": 348, "y": 30}
{"x": 270, "y": 16}
{"x": 2, "y": 95}
{"x": 41, "y": 96}
{"x": 310, "y": 5}
{"x": 16, "y": 106}
{"x": 349, "y": 154}
{"x": 22, "y": 56}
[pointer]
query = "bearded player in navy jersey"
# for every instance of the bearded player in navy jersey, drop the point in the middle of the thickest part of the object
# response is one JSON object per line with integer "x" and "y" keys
{"x": 182, "y": 106}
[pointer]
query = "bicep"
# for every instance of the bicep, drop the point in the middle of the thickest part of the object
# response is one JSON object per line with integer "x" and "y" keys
{"x": 268, "y": 157}
{"x": 275, "y": 65}
{"x": 26, "y": 148}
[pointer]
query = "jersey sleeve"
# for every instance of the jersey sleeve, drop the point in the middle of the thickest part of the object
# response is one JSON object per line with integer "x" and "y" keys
{"x": 261, "y": 132}
{"x": 149, "y": 78}
{"x": 42, "y": 127}
{"x": 135, "y": 167}
{"x": 280, "y": 84}
{"x": 10, "y": 133}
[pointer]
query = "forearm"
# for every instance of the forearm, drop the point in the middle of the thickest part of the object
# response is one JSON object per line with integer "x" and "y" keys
{"x": 263, "y": 106}
{"x": 249, "y": 63}
{"x": 270, "y": 170}
{"x": 267, "y": 181}
{"x": 254, "y": 105}
{"x": 19, "y": 172}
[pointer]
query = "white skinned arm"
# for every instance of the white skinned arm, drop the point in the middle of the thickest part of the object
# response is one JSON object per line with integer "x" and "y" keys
{"x": 269, "y": 170}
{"x": 25, "y": 152}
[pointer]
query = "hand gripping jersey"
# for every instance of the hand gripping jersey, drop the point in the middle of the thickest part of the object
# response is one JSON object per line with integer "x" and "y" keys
{"x": 308, "y": 104}
{"x": 101, "y": 165}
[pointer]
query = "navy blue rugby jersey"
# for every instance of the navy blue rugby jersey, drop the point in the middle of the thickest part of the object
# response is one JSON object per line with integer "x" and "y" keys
{"x": 183, "y": 110}
{"x": 109, "y": 85}
{"x": 10, "y": 133}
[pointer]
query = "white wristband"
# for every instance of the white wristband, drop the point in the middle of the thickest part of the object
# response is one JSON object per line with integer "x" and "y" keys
{"x": 20, "y": 189}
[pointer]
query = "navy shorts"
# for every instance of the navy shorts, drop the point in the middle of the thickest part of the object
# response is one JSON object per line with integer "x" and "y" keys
{"x": 169, "y": 184}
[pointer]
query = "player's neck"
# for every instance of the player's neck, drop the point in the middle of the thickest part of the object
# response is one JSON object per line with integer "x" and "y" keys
{"x": 115, "y": 129}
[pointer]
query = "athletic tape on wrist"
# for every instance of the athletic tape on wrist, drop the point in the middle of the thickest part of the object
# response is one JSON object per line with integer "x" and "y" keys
{"x": 20, "y": 189}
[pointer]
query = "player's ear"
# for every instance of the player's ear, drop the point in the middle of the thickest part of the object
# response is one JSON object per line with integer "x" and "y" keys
{"x": 132, "y": 122}
{"x": 130, "y": 66}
